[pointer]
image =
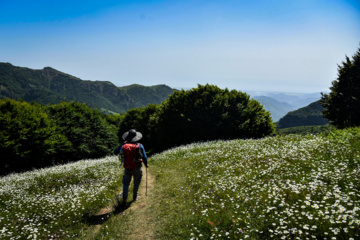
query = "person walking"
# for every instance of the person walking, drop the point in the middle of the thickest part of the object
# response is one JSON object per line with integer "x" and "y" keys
{"x": 133, "y": 156}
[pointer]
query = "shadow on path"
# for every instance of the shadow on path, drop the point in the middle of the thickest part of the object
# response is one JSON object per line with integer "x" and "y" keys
{"x": 116, "y": 208}
{"x": 104, "y": 214}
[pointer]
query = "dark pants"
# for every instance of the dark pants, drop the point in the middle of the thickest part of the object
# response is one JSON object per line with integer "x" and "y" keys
{"x": 137, "y": 173}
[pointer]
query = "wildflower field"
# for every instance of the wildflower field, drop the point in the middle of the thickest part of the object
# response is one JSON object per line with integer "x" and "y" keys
{"x": 283, "y": 187}
{"x": 51, "y": 203}
{"x": 290, "y": 187}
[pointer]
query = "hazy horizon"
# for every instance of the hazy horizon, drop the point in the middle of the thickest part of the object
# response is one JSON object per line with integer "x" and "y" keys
{"x": 254, "y": 92}
{"x": 283, "y": 46}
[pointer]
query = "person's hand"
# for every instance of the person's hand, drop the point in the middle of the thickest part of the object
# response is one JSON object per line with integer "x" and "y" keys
{"x": 147, "y": 165}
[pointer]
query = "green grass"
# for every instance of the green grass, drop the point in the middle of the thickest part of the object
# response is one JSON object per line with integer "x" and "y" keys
{"x": 53, "y": 202}
{"x": 283, "y": 187}
{"x": 289, "y": 187}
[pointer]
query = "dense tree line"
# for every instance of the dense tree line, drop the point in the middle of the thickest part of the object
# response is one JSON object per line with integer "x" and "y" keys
{"x": 305, "y": 130}
{"x": 201, "y": 114}
{"x": 86, "y": 129}
{"x": 34, "y": 136}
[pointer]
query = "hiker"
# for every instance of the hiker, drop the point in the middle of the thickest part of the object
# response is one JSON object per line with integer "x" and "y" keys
{"x": 133, "y": 157}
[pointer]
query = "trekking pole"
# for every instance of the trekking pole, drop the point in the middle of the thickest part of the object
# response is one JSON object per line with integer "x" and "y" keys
{"x": 146, "y": 183}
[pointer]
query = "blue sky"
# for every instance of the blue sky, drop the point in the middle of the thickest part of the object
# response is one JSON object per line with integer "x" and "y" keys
{"x": 277, "y": 45}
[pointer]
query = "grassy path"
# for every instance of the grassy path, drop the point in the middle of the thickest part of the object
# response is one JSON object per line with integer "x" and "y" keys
{"x": 132, "y": 222}
{"x": 142, "y": 225}
{"x": 159, "y": 215}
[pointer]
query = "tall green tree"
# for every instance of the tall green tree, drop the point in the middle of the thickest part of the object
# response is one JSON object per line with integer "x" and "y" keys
{"x": 87, "y": 130}
{"x": 342, "y": 103}
{"x": 28, "y": 137}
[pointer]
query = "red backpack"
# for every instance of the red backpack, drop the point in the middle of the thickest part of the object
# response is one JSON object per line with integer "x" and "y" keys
{"x": 132, "y": 154}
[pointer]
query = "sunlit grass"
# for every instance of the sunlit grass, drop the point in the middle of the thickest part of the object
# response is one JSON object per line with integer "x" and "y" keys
{"x": 293, "y": 187}
{"x": 290, "y": 187}
{"x": 51, "y": 203}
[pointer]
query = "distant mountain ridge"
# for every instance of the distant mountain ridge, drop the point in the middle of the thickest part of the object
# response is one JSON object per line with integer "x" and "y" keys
{"x": 276, "y": 108}
{"x": 49, "y": 86}
{"x": 279, "y": 104}
{"x": 307, "y": 116}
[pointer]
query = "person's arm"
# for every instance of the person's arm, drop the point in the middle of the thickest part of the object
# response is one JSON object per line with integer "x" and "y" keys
{"x": 117, "y": 150}
{"x": 145, "y": 160}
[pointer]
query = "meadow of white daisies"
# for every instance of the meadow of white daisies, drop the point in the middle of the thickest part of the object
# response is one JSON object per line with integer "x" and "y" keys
{"x": 53, "y": 203}
{"x": 290, "y": 187}
{"x": 283, "y": 187}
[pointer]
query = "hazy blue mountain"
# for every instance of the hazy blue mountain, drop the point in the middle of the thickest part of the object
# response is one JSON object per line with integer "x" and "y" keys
{"x": 279, "y": 103}
{"x": 49, "y": 85}
{"x": 276, "y": 108}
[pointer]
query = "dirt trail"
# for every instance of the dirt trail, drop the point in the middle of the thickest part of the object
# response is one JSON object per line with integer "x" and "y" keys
{"x": 139, "y": 209}
{"x": 143, "y": 225}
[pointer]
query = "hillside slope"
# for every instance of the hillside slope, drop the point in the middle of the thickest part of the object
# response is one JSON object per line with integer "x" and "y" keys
{"x": 276, "y": 108}
{"x": 280, "y": 103}
{"x": 52, "y": 86}
{"x": 282, "y": 187}
{"x": 306, "y": 116}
